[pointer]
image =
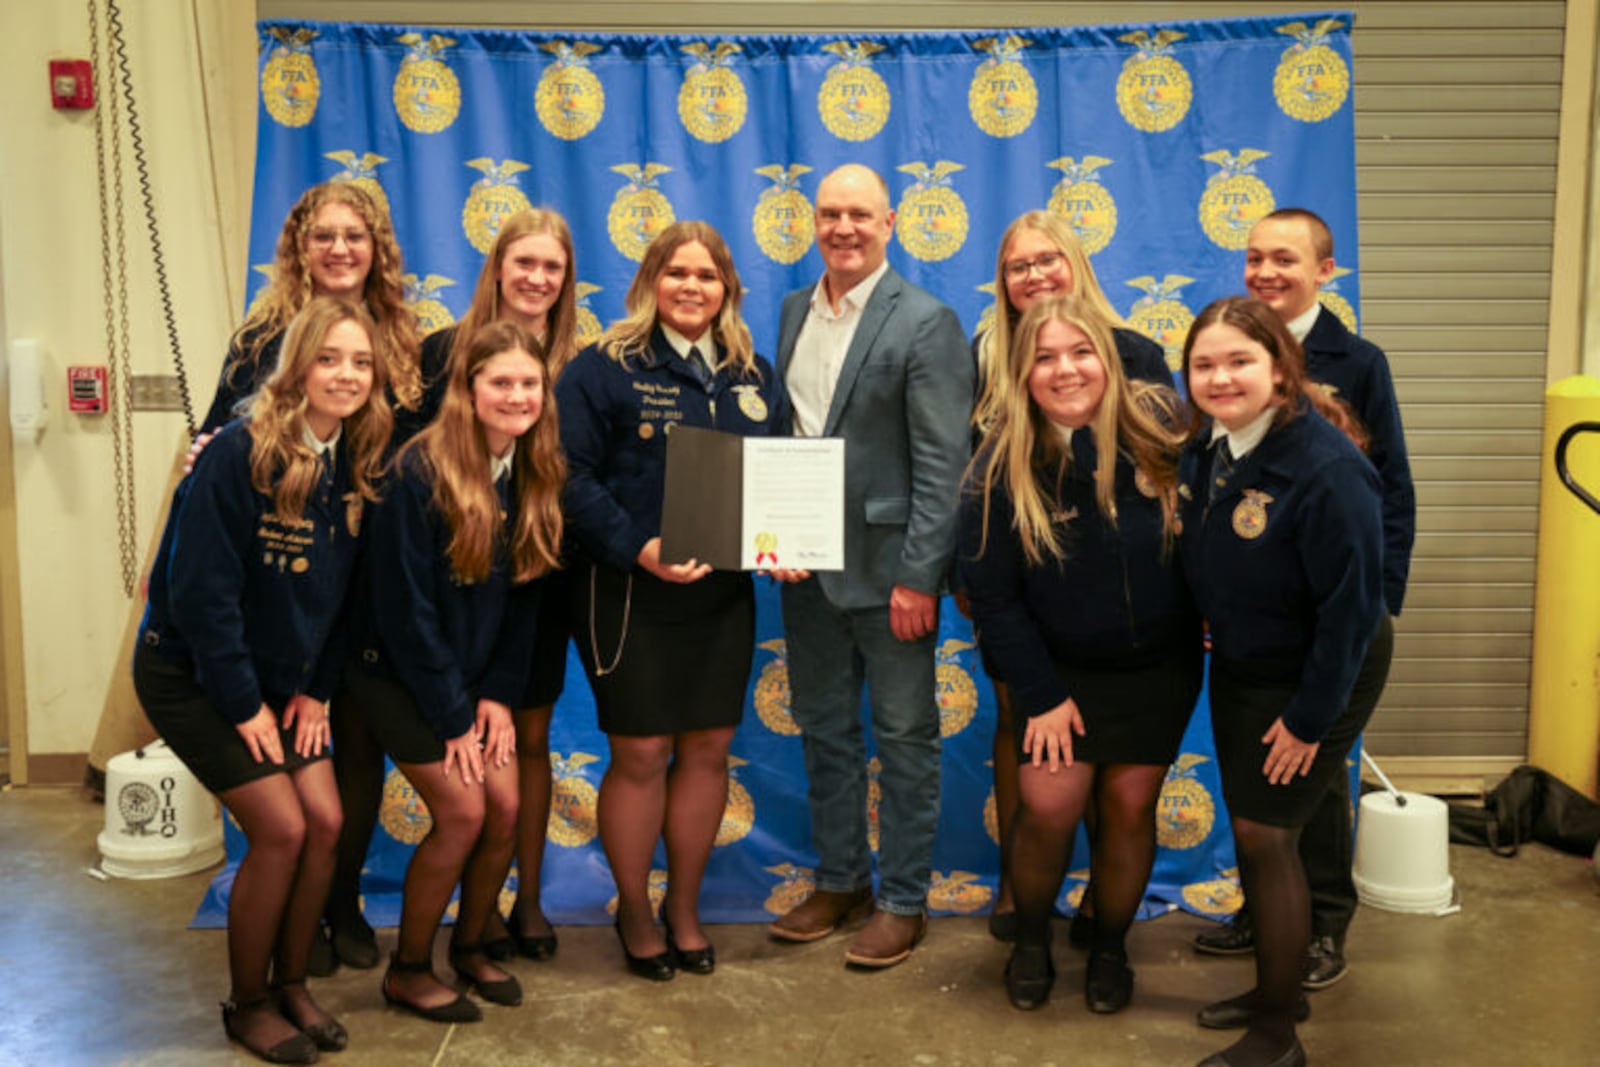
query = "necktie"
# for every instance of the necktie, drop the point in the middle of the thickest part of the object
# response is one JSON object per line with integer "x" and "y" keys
{"x": 1221, "y": 469}
{"x": 701, "y": 365}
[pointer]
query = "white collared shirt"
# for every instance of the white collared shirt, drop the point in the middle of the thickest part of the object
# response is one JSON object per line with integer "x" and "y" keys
{"x": 318, "y": 446}
{"x": 1240, "y": 443}
{"x": 1301, "y": 324}
{"x": 820, "y": 349}
{"x": 683, "y": 346}
{"x": 500, "y": 466}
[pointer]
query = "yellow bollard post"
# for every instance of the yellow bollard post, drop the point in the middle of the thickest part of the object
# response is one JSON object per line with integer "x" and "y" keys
{"x": 1564, "y": 702}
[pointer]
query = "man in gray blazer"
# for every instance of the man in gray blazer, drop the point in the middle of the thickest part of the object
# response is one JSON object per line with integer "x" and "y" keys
{"x": 871, "y": 358}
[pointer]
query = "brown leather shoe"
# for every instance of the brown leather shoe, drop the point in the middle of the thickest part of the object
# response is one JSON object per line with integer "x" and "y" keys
{"x": 886, "y": 939}
{"x": 820, "y": 915}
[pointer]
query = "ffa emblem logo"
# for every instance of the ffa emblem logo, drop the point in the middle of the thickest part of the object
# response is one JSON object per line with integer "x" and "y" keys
{"x": 269, "y": 271}
{"x": 290, "y": 86}
{"x": 959, "y": 891}
{"x": 1234, "y": 199}
{"x": 1219, "y": 898}
{"x": 783, "y": 216}
{"x": 1185, "y": 812}
{"x": 138, "y": 804}
{"x": 712, "y": 102}
{"x": 403, "y": 815}
{"x": 739, "y": 815}
{"x": 1250, "y": 517}
{"x": 931, "y": 220}
{"x": 772, "y": 691}
{"x": 492, "y": 199}
{"x": 1160, "y": 316}
{"x": 957, "y": 693}
{"x": 854, "y": 100}
{"x": 1335, "y": 302}
{"x": 750, "y": 403}
{"x": 353, "y": 507}
{"x": 1153, "y": 90}
{"x": 795, "y": 884}
{"x": 639, "y": 211}
{"x": 657, "y": 891}
{"x": 570, "y": 99}
{"x": 1083, "y": 202}
{"x": 427, "y": 96}
{"x": 874, "y": 799}
{"x": 361, "y": 171}
{"x": 1312, "y": 81}
{"x": 431, "y": 314}
{"x": 588, "y": 324}
{"x": 573, "y": 801}
{"x": 1002, "y": 98}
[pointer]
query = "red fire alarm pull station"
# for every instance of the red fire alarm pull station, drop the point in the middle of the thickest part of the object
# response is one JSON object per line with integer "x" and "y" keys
{"x": 86, "y": 390}
{"x": 71, "y": 84}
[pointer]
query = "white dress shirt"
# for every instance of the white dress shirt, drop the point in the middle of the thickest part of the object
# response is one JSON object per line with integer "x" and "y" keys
{"x": 820, "y": 349}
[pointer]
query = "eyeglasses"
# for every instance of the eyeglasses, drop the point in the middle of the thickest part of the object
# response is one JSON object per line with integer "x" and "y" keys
{"x": 329, "y": 238}
{"x": 1019, "y": 269}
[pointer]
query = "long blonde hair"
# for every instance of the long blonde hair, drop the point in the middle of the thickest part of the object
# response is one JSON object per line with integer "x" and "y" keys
{"x": 456, "y": 453}
{"x": 995, "y": 345}
{"x": 630, "y": 335}
{"x": 383, "y": 293}
{"x": 282, "y": 466}
{"x": 1023, "y": 453}
{"x": 561, "y": 324}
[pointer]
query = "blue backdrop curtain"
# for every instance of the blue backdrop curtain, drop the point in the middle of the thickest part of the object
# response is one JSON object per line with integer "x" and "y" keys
{"x": 1161, "y": 143}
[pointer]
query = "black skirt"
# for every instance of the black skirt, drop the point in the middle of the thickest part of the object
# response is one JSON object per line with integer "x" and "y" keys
{"x": 664, "y": 658}
{"x": 548, "y": 674}
{"x": 390, "y": 714}
{"x": 1132, "y": 713}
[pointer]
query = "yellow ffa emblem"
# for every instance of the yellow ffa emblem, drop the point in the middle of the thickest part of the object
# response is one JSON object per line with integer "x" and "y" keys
{"x": 1250, "y": 517}
{"x": 854, "y": 99}
{"x": 750, "y": 403}
{"x": 588, "y": 323}
{"x": 874, "y": 799}
{"x": 772, "y": 691}
{"x": 931, "y": 220}
{"x": 492, "y": 199}
{"x": 573, "y": 801}
{"x": 1160, "y": 316}
{"x": 956, "y": 691}
{"x": 1234, "y": 199}
{"x": 269, "y": 271}
{"x": 712, "y": 102}
{"x": 1083, "y": 202}
{"x": 361, "y": 171}
{"x": 1002, "y": 97}
{"x": 290, "y": 85}
{"x": 656, "y": 888}
{"x": 427, "y": 96}
{"x": 1312, "y": 81}
{"x": 958, "y": 891}
{"x": 1335, "y": 302}
{"x": 1153, "y": 90}
{"x": 739, "y": 814}
{"x": 1185, "y": 812}
{"x": 795, "y": 884}
{"x": 639, "y": 211}
{"x": 403, "y": 815}
{"x": 353, "y": 508}
{"x": 570, "y": 99}
{"x": 1218, "y": 898}
{"x": 783, "y": 216}
{"x": 431, "y": 314}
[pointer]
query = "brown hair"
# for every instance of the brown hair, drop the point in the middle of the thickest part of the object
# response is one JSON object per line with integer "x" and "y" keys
{"x": 561, "y": 324}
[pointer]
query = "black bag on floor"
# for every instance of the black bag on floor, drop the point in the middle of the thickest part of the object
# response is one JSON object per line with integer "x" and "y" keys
{"x": 1530, "y": 805}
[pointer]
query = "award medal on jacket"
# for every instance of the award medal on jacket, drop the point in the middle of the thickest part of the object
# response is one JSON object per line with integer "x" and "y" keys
{"x": 750, "y": 403}
{"x": 1250, "y": 517}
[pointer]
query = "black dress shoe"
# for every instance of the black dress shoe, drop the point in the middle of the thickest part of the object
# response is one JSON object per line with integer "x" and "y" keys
{"x": 657, "y": 968}
{"x": 355, "y": 944}
{"x": 1293, "y": 1056}
{"x": 540, "y": 947}
{"x": 1109, "y": 984}
{"x": 1030, "y": 974}
{"x": 693, "y": 960}
{"x": 296, "y": 1049}
{"x": 329, "y": 1035}
{"x": 1235, "y": 1013}
{"x": 506, "y": 992}
{"x": 1324, "y": 964}
{"x": 1237, "y": 938}
{"x": 459, "y": 1010}
{"x": 1003, "y": 926}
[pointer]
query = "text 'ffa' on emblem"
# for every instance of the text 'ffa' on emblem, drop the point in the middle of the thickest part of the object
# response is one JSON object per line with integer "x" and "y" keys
{"x": 427, "y": 96}
{"x": 711, "y": 102}
{"x": 782, "y": 220}
{"x": 639, "y": 211}
{"x": 1160, "y": 316}
{"x": 1002, "y": 97}
{"x": 492, "y": 199}
{"x": 588, "y": 323}
{"x": 1185, "y": 812}
{"x": 362, "y": 172}
{"x": 574, "y": 802}
{"x": 954, "y": 688}
{"x": 1234, "y": 199}
{"x": 1334, "y": 301}
{"x": 931, "y": 219}
{"x": 1312, "y": 81}
{"x": 739, "y": 814}
{"x": 1250, "y": 517}
{"x": 570, "y": 99}
{"x": 290, "y": 86}
{"x": 1153, "y": 90}
{"x": 854, "y": 99}
{"x": 431, "y": 313}
{"x": 1084, "y": 203}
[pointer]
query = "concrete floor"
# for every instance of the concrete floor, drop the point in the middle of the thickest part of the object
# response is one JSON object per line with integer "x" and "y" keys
{"x": 105, "y": 973}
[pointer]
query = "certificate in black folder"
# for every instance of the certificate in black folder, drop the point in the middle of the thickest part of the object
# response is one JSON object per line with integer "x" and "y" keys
{"x": 753, "y": 503}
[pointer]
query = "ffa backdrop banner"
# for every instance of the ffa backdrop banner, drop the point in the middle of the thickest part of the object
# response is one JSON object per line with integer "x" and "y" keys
{"x": 1161, "y": 144}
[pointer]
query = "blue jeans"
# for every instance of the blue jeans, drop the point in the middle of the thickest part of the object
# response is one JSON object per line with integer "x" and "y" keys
{"x": 831, "y": 653}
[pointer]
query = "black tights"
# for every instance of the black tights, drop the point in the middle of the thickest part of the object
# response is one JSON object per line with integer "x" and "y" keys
{"x": 1280, "y": 907}
{"x": 358, "y": 762}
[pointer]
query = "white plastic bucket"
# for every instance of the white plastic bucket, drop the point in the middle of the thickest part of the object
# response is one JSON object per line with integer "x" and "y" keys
{"x": 1403, "y": 854}
{"x": 160, "y": 821}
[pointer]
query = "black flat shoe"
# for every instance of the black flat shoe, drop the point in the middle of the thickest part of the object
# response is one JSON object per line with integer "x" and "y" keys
{"x": 296, "y": 1049}
{"x": 693, "y": 960}
{"x": 506, "y": 992}
{"x": 459, "y": 1010}
{"x": 1030, "y": 974}
{"x": 1003, "y": 926}
{"x": 657, "y": 968}
{"x": 329, "y": 1036}
{"x": 540, "y": 947}
{"x": 355, "y": 945}
{"x": 1109, "y": 984}
{"x": 1235, "y": 1013}
{"x": 1293, "y": 1056}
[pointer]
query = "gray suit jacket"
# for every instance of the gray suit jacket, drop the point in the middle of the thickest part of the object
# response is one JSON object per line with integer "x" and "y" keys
{"x": 902, "y": 404}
